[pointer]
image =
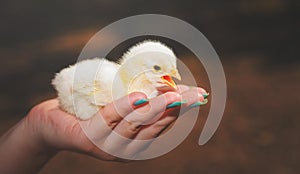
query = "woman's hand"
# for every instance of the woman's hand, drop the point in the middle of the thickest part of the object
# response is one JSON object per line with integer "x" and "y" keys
{"x": 48, "y": 129}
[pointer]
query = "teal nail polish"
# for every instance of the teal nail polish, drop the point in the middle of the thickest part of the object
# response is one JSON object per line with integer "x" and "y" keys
{"x": 195, "y": 105}
{"x": 199, "y": 103}
{"x": 204, "y": 102}
{"x": 140, "y": 101}
{"x": 175, "y": 104}
{"x": 205, "y": 95}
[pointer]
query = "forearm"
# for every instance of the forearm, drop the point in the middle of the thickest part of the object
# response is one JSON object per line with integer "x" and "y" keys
{"x": 22, "y": 150}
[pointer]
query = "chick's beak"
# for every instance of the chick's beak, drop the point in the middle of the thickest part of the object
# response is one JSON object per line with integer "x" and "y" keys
{"x": 169, "y": 81}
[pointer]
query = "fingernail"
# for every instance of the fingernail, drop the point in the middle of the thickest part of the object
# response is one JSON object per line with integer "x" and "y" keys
{"x": 140, "y": 101}
{"x": 175, "y": 104}
{"x": 199, "y": 103}
{"x": 205, "y": 95}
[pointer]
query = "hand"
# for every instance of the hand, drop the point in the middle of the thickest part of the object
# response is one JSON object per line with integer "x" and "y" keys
{"x": 47, "y": 129}
{"x": 63, "y": 131}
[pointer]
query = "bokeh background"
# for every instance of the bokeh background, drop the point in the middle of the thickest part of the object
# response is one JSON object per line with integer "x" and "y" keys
{"x": 257, "y": 42}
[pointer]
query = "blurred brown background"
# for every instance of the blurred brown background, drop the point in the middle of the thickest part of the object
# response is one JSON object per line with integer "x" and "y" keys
{"x": 257, "y": 42}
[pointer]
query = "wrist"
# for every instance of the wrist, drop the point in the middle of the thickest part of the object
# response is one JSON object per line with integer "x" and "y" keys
{"x": 23, "y": 149}
{"x": 35, "y": 128}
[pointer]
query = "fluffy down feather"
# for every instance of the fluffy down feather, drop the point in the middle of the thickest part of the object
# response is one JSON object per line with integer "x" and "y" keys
{"x": 85, "y": 87}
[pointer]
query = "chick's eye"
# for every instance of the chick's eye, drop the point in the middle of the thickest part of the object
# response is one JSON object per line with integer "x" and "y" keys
{"x": 156, "y": 68}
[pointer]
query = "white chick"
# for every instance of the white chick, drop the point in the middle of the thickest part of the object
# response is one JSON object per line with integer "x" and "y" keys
{"x": 87, "y": 86}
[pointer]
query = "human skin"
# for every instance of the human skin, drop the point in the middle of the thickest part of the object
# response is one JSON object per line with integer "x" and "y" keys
{"x": 47, "y": 130}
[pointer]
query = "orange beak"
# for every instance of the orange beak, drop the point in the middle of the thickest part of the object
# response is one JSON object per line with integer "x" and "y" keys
{"x": 169, "y": 81}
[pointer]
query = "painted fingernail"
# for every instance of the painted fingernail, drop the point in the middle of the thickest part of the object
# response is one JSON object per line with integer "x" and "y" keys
{"x": 175, "y": 104}
{"x": 140, "y": 101}
{"x": 205, "y": 95}
{"x": 199, "y": 103}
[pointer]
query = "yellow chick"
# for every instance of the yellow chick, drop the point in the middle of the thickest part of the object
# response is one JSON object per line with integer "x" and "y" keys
{"x": 88, "y": 85}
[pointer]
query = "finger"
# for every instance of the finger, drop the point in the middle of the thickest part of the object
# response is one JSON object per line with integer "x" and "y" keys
{"x": 132, "y": 123}
{"x": 200, "y": 90}
{"x": 155, "y": 129}
{"x": 194, "y": 94}
{"x": 114, "y": 112}
{"x": 147, "y": 135}
{"x": 191, "y": 96}
{"x": 101, "y": 125}
{"x": 126, "y": 130}
{"x": 183, "y": 88}
{"x": 150, "y": 132}
{"x": 180, "y": 89}
{"x": 129, "y": 127}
